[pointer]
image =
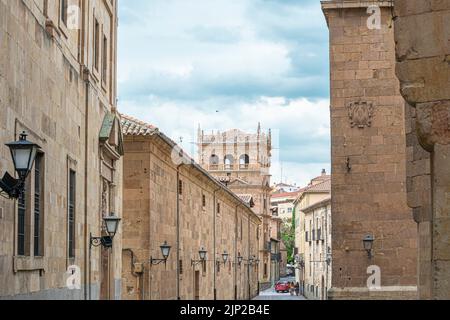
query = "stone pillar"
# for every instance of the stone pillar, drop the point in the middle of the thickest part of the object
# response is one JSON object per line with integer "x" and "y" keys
{"x": 368, "y": 156}
{"x": 422, "y": 33}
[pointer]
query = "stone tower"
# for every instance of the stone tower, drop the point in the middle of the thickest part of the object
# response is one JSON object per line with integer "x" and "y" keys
{"x": 242, "y": 161}
{"x": 368, "y": 155}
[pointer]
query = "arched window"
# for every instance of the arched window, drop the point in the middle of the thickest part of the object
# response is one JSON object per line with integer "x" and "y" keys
{"x": 244, "y": 161}
{"x": 214, "y": 162}
{"x": 229, "y": 162}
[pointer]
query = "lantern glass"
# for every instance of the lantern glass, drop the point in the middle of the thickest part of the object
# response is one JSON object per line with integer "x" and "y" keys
{"x": 202, "y": 253}
{"x": 225, "y": 256}
{"x": 111, "y": 224}
{"x": 23, "y": 153}
{"x": 165, "y": 250}
{"x": 368, "y": 243}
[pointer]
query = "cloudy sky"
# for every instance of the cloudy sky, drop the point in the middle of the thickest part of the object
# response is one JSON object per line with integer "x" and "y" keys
{"x": 226, "y": 64}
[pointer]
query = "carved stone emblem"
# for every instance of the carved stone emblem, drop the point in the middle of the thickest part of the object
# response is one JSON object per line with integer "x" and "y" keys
{"x": 360, "y": 114}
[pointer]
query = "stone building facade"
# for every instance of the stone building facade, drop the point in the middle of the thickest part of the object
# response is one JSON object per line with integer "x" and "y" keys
{"x": 422, "y": 33}
{"x": 368, "y": 155}
{"x": 58, "y": 83}
{"x": 169, "y": 198}
{"x": 313, "y": 238}
{"x": 242, "y": 161}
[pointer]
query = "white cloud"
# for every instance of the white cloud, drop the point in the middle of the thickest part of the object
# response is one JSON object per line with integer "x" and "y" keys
{"x": 251, "y": 60}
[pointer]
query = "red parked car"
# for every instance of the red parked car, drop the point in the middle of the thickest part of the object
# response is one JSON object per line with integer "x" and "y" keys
{"x": 282, "y": 286}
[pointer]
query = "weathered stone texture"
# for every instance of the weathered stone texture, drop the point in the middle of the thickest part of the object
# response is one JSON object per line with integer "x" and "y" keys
{"x": 369, "y": 184}
{"x": 42, "y": 90}
{"x": 422, "y": 34}
{"x": 150, "y": 214}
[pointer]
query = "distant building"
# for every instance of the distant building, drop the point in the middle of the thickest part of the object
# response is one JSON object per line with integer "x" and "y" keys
{"x": 283, "y": 204}
{"x": 313, "y": 237}
{"x": 242, "y": 162}
{"x": 284, "y": 188}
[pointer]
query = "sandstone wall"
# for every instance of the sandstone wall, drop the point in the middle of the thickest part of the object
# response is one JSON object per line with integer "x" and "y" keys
{"x": 368, "y": 156}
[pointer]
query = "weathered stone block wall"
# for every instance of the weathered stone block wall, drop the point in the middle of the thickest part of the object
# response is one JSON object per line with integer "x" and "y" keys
{"x": 422, "y": 34}
{"x": 42, "y": 91}
{"x": 368, "y": 155}
{"x": 150, "y": 214}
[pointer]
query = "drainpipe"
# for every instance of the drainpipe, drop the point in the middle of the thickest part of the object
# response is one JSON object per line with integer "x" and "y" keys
{"x": 249, "y": 253}
{"x": 214, "y": 240}
{"x": 235, "y": 250}
{"x": 178, "y": 231}
{"x": 86, "y": 244}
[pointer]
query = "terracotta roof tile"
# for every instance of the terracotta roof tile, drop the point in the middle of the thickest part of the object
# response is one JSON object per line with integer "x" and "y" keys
{"x": 135, "y": 127}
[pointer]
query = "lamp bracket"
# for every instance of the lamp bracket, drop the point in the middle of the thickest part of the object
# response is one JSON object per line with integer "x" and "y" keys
{"x": 196, "y": 262}
{"x": 105, "y": 241}
{"x": 11, "y": 188}
{"x": 155, "y": 262}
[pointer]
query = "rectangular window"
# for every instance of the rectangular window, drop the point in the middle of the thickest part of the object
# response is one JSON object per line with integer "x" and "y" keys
{"x": 38, "y": 212}
{"x": 96, "y": 43}
{"x": 204, "y": 267}
{"x": 105, "y": 60}
{"x": 181, "y": 266}
{"x": 22, "y": 210}
{"x": 64, "y": 8}
{"x": 71, "y": 213}
{"x": 204, "y": 201}
{"x": 180, "y": 187}
{"x": 241, "y": 231}
{"x": 218, "y": 208}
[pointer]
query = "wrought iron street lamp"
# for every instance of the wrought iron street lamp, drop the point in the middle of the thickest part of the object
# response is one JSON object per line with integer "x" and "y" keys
{"x": 165, "y": 251}
{"x": 111, "y": 224}
{"x": 240, "y": 258}
{"x": 23, "y": 153}
{"x": 202, "y": 254}
{"x": 368, "y": 245}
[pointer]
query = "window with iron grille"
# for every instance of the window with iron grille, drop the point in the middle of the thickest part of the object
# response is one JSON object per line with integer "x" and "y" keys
{"x": 22, "y": 208}
{"x": 71, "y": 218}
{"x": 38, "y": 172}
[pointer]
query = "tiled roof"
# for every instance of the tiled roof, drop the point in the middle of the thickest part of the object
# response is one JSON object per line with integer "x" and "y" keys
{"x": 324, "y": 186}
{"x": 135, "y": 127}
{"x": 286, "y": 194}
